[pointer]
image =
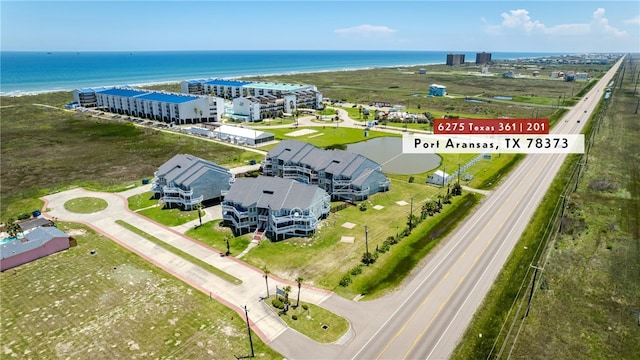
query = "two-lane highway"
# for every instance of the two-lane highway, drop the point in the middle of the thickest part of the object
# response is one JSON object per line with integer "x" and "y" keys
{"x": 426, "y": 318}
{"x": 429, "y": 324}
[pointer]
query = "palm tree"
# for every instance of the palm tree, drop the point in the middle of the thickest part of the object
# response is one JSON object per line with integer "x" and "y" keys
{"x": 266, "y": 277}
{"x": 286, "y": 290}
{"x": 13, "y": 228}
{"x": 299, "y": 281}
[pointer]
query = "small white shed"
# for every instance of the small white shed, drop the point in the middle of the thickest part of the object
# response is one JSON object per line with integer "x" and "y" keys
{"x": 439, "y": 178}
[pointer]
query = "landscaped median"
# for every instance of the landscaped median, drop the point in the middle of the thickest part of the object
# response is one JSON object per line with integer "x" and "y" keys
{"x": 221, "y": 274}
{"x": 313, "y": 321}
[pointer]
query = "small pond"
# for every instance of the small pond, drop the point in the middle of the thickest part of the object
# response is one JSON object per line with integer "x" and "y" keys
{"x": 387, "y": 151}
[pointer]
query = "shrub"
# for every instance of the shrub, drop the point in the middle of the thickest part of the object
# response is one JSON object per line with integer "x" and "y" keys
{"x": 356, "y": 270}
{"x": 369, "y": 258}
{"x": 411, "y": 179}
{"x": 277, "y": 304}
{"x": 24, "y": 216}
{"x": 385, "y": 247}
{"x": 305, "y": 306}
{"x": 294, "y": 317}
{"x": 345, "y": 281}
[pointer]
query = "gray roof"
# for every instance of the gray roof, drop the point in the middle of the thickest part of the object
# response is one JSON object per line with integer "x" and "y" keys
{"x": 274, "y": 192}
{"x": 336, "y": 162}
{"x": 184, "y": 169}
{"x": 34, "y": 239}
{"x": 34, "y": 223}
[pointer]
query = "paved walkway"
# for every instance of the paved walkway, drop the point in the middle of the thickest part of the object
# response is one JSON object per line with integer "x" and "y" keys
{"x": 265, "y": 322}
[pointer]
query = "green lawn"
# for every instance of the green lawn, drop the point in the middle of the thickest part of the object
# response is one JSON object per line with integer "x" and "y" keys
{"x": 215, "y": 235}
{"x": 315, "y": 322}
{"x": 169, "y": 217}
{"x": 141, "y": 201}
{"x": 113, "y": 304}
{"x": 85, "y": 205}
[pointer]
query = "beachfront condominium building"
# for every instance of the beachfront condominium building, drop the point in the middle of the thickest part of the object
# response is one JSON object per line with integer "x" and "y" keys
{"x": 253, "y": 101}
{"x": 483, "y": 58}
{"x": 455, "y": 59}
{"x": 155, "y": 105}
{"x": 342, "y": 174}
{"x": 274, "y": 207}
{"x": 185, "y": 181}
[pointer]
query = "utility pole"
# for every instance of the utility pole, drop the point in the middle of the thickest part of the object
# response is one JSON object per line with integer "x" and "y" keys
{"x": 564, "y": 199}
{"x": 533, "y": 286}
{"x": 411, "y": 216}
{"x": 444, "y": 174}
{"x": 246, "y": 314}
{"x": 366, "y": 242}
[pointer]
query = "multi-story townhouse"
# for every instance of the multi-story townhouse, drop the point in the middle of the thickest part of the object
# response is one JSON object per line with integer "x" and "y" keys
{"x": 342, "y": 174}
{"x": 274, "y": 207}
{"x": 186, "y": 181}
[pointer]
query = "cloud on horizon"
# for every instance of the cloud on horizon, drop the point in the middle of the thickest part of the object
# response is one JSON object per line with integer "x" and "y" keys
{"x": 365, "y": 30}
{"x": 633, "y": 21}
{"x": 519, "y": 19}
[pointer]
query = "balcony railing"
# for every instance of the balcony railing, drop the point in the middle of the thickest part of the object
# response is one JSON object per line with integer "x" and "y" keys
{"x": 239, "y": 214}
{"x": 172, "y": 189}
{"x": 183, "y": 201}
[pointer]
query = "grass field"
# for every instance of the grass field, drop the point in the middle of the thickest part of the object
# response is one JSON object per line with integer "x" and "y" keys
{"x": 585, "y": 297}
{"x": 110, "y": 305}
{"x": 56, "y": 149}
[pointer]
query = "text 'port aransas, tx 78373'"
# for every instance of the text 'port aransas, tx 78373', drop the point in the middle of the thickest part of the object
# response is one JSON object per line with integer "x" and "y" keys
{"x": 492, "y": 136}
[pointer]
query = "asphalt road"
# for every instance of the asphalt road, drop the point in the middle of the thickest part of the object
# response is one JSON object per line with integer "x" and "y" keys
{"x": 427, "y": 318}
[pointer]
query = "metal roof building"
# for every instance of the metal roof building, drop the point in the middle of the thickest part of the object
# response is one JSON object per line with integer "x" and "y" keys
{"x": 242, "y": 136}
{"x": 187, "y": 180}
{"x": 35, "y": 244}
{"x": 342, "y": 174}
{"x": 274, "y": 207}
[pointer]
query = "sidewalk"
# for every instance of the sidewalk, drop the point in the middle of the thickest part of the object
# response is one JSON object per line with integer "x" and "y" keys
{"x": 267, "y": 324}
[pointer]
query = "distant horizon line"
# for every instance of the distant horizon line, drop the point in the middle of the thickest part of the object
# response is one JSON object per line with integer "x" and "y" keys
{"x": 308, "y": 50}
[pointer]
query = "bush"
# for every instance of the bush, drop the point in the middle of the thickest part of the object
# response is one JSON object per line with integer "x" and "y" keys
{"x": 411, "y": 179}
{"x": 346, "y": 280}
{"x": 294, "y": 317}
{"x": 385, "y": 247}
{"x": 24, "y": 216}
{"x": 357, "y": 270}
{"x": 305, "y": 306}
{"x": 277, "y": 304}
{"x": 369, "y": 258}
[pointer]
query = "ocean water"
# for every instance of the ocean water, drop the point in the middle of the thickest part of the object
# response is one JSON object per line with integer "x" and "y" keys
{"x": 33, "y": 72}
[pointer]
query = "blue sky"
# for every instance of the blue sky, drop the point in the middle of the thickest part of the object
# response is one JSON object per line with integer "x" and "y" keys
{"x": 511, "y": 26}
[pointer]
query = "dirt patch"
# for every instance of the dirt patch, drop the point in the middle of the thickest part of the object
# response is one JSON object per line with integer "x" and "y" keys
{"x": 301, "y": 132}
{"x": 76, "y": 232}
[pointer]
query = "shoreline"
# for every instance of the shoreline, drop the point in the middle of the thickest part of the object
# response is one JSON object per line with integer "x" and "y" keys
{"x": 18, "y": 93}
